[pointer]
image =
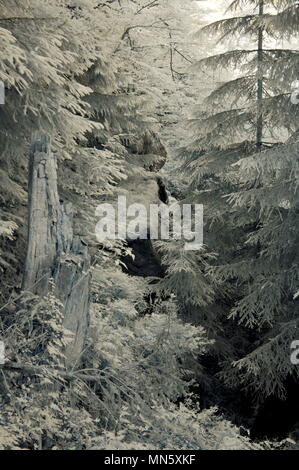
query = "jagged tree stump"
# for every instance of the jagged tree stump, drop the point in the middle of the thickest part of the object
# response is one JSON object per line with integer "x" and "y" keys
{"x": 53, "y": 251}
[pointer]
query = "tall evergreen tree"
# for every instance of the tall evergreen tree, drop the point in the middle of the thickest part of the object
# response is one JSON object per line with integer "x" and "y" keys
{"x": 251, "y": 199}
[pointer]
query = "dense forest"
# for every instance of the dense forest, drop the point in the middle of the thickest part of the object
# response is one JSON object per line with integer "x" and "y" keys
{"x": 139, "y": 341}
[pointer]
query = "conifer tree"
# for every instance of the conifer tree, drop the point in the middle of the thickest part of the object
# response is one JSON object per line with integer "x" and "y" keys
{"x": 251, "y": 213}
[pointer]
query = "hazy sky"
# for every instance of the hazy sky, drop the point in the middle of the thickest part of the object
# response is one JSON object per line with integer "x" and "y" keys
{"x": 213, "y": 10}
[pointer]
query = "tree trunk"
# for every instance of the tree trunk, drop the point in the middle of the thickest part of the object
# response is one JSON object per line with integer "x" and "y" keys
{"x": 53, "y": 251}
{"x": 260, "y": 82}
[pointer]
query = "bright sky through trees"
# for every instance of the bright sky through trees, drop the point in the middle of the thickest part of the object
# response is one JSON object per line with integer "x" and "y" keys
{"x": 213, "y": 10}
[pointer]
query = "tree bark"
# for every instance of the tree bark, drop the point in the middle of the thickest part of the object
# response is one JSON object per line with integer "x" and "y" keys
{"x": 53, "y": 251}
{"x": 260, "y": 81}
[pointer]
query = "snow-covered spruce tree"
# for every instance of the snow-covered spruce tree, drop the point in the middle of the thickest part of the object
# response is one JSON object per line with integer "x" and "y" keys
{"x": 254, "y": 277}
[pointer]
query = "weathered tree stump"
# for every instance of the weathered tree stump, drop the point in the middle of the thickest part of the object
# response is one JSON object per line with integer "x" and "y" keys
{"x": 53, "y": 252}
{"x": 72, "y": 279}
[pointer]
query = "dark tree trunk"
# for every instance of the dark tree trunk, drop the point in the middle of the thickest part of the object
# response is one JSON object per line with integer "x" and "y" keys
{"x": 260, "y": 81}
{"x": 53, "y": 252}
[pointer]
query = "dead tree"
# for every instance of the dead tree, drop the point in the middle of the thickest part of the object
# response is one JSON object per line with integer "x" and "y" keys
{"x": 53, "y": 251}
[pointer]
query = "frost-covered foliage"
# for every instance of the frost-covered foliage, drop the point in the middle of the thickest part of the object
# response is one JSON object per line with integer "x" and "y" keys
{"x": 177, "y": 428}
{"x": 243, "y": 166}
{"x": 124, "y": 394}
{"x": 82, "y": 73}
{"x": 46, "y": 50}
{"x": 103, "y": 78}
